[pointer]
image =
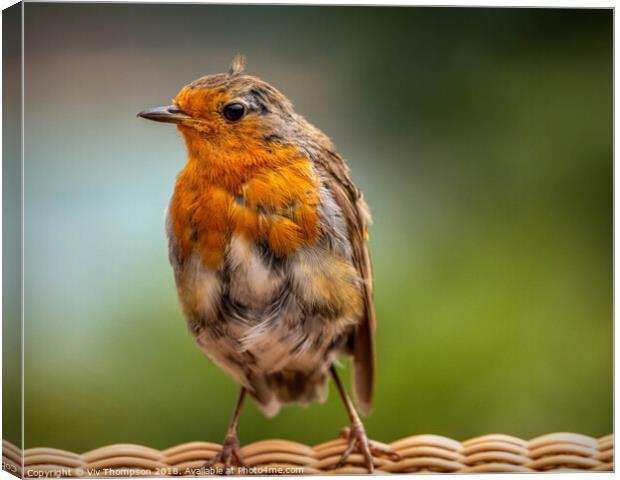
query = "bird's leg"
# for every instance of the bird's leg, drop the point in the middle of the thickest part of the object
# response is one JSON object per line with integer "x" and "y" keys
{"x": 230, "y": 453}
{"x": 356, "y": 434}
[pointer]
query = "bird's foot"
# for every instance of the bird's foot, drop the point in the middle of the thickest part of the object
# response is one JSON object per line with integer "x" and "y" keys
{"x": 357, "y": 439}
{"x": 228, "y": 457}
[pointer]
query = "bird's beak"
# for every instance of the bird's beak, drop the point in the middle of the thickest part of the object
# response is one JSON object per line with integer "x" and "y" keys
{"x": 169, "y": 114}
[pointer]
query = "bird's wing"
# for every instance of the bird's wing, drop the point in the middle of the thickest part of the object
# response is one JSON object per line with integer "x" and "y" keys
{"x": 351, "y": 201}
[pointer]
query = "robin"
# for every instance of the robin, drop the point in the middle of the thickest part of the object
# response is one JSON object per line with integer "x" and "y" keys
{"x": 267, "y": 239}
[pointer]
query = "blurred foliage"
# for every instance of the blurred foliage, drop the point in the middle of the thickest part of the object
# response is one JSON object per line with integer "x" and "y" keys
{"x": 482, "y": 139}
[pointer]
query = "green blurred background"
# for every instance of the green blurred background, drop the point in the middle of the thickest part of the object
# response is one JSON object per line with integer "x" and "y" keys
{"x": 482, "y": 139}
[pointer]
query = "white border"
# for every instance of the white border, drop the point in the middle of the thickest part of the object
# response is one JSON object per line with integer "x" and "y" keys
{"x": 466, "y": 3}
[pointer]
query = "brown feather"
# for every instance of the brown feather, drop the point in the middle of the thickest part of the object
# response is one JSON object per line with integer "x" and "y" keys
{"x": 357, "y": 215}
{"x": 243, "y": 326}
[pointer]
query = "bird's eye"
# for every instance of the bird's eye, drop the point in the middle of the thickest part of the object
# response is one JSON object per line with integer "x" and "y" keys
{"x": 234, "y": 111}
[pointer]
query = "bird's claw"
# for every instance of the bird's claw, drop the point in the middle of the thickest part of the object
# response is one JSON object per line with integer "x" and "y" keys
{"x": 357, "y": 438}
{"x": 228, "y": 456}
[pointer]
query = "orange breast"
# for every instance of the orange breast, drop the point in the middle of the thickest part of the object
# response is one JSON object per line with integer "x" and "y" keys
{"x": 275, "y": 202}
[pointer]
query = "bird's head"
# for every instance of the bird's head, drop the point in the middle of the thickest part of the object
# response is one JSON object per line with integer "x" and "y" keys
{"x": 232, "y": 114}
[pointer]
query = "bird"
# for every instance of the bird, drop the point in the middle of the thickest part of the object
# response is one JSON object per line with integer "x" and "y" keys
{"x": 267, "y": 238}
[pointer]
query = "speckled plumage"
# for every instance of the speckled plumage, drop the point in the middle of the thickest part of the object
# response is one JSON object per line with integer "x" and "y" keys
{"x": 274, "y": 323}
{"x": 267, "y": 240}
{"x": 277, "y": 323}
